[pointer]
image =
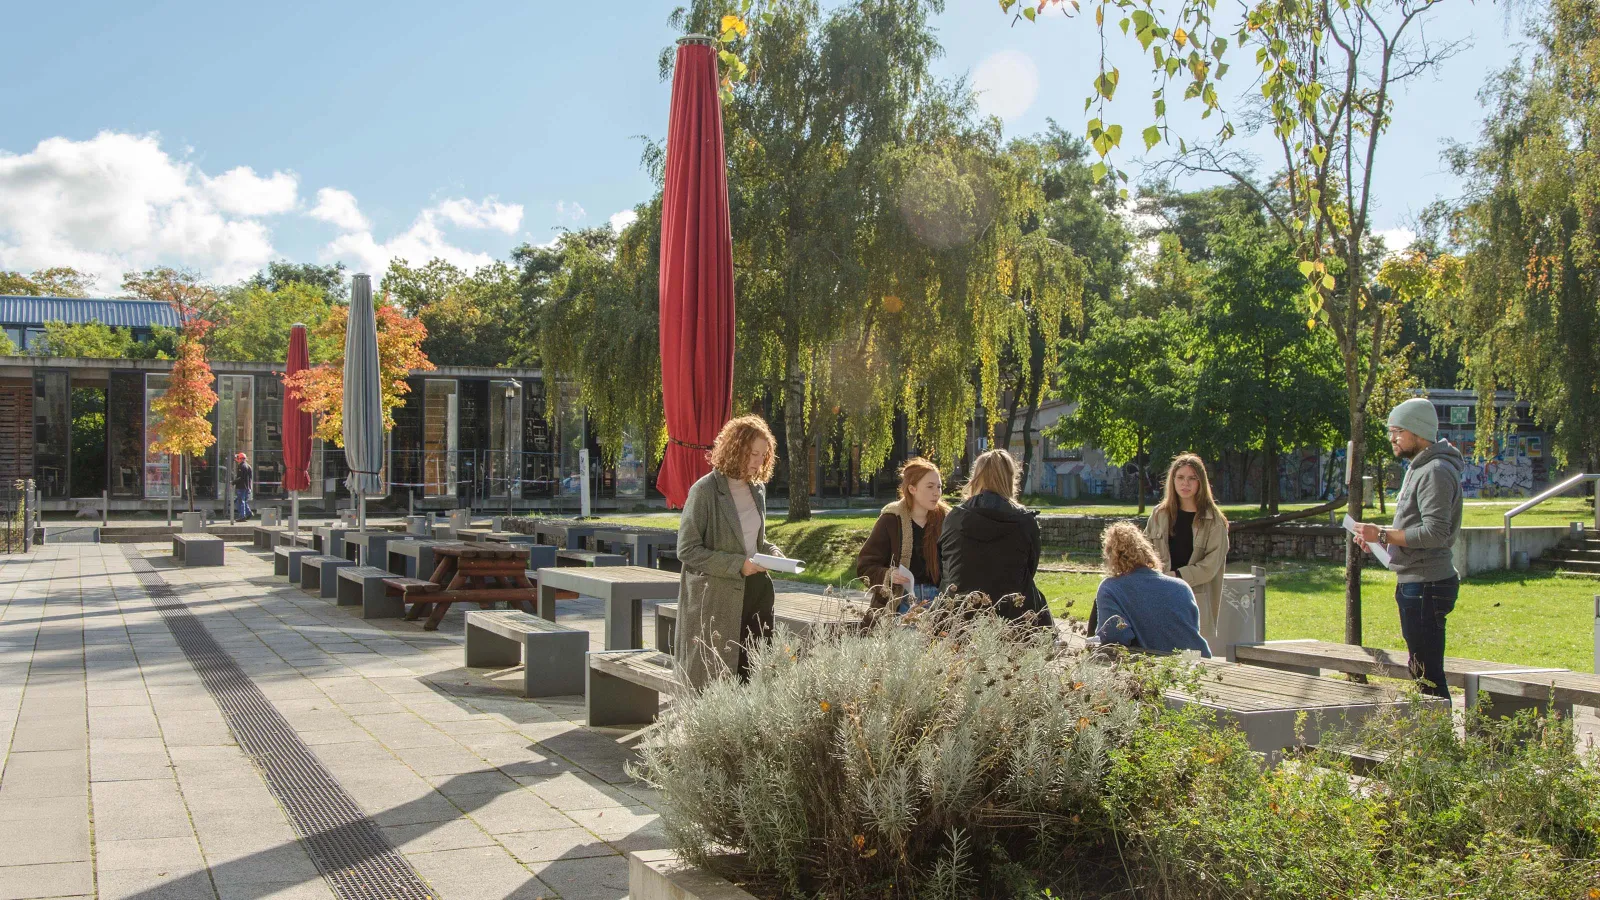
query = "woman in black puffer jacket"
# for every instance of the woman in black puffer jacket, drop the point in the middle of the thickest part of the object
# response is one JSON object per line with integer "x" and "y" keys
{"x": 990, "y": 543}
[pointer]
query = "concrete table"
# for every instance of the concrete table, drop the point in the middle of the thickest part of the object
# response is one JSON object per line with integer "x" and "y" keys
{"x": 623, "y": 590}
{"x": 264, "y": 537}
{"x": 368, "y": 547}
{"x": 563, "y": 535}
{"x": 411, "y": 558}
{"x": 330, "y": 539}
{"x": 798, "y": 611}
{"x": 294, "y": 539}
{"x": 642, "y": 546}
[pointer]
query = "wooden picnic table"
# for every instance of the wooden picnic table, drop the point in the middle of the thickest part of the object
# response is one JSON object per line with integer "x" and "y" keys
{"x": 484, "y": 574}
{"x": 623, "y": 589}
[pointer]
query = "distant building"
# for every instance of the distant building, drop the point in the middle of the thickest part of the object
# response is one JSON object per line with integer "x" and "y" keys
{"x": 23, "y": 318}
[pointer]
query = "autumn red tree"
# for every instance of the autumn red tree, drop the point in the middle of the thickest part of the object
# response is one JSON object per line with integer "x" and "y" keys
{"x": 181, "y": 427}
{"x": 320, "y": 389}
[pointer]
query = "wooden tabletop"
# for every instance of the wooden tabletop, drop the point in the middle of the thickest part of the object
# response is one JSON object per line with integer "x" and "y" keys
{"x": 480, "y": 551}
{"x": 1364, "y": 660}
{"x": 616, "y": 574}
{"x": 1244, "y": 688}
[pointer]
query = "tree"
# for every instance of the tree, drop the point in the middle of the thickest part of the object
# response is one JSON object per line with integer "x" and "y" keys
{"x": 59, "y": 281}
{"x": 1131, "y": 382}
{"x": 93, "y": 340}
{"x": 320, "y": 389}
{"x": 1266, "y": 383}
{"x": 282, "y": 273}
{"x": 180, "y": 426}
{"x": 181, "y": 289}
{"x": 600, "y": 320}
{"x": 253, "y": 321}
{"x": 1518, "y": 295}
{"x": 1327, "y": 70}
{"x": 475, "y": 319}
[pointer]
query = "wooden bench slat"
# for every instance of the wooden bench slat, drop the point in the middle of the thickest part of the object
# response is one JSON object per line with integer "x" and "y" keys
{"x": 648, "y": 668}
{"x": 412, "y": 585}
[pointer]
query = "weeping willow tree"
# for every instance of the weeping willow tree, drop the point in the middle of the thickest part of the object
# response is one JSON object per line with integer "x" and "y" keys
{"x": 598, "y": 326}
{"x": 1520, "y": 298}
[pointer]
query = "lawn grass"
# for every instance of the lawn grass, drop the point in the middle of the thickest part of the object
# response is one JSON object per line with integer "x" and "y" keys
{"x": 1527, "y": 618}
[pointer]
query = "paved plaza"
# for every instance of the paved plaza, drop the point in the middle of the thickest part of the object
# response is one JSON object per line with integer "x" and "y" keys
{"x": 123, "y": 779}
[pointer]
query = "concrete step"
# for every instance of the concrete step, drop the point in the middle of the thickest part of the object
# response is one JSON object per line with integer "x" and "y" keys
{"x": 1570, "y": 567}
{"x": 1580, "y": 555}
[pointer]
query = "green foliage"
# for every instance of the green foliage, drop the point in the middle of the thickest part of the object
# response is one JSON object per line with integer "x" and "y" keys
{"x": 908, "y": 761}
{"x": 278, "y": 274}
{"x": 93, "y": 340}
{"x": 1132, "y": 380}
{"x": 7, "y": 346}
{"x": 1522, "y": 303}
{"x": 598, "y": 325}
{"x": 59, "y": 281}
{"x": 473, "y": 319}
{"x": 88, "y": 441}
{"x": 253, "y": 320}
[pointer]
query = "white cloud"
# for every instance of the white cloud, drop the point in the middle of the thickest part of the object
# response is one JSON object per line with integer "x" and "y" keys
{"x": 569, "y": 212}
{"x": 425, "y": 238}
{"x": 1397, "y": 240}
{"x": 623, "y": 219}
{"x": 1006, "y": 83}
{"x": 487, "y": 213}
{"x": 119, "y": 202}
{"x": 340, "y": 209}
{"x": 243, "y": 192}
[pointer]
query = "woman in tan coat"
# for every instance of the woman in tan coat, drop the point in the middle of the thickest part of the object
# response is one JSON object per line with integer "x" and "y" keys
{"x": 1190, "y": 536}
{"x": 724, "y": 599}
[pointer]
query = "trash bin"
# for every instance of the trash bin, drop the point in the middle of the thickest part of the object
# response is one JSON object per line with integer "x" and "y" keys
{"x": 1519, "y": 560}
{"x": 194, "y": 522}
{"x": 269, "y": 516}
{"x": 1243, "y": 616}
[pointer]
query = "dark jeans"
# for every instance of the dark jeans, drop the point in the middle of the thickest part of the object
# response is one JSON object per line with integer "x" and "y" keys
{"x": 755, "y": 619}
{"x": 1423, "y": 606}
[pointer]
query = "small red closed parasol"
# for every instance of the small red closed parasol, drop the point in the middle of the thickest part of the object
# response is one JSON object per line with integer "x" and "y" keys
{"x": 296, "y": 426}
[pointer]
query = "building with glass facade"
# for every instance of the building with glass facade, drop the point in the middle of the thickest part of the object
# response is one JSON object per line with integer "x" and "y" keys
{"x": 465, "y": 436}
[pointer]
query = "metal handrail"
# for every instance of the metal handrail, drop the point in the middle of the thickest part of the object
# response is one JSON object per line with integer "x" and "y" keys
{"x": 1561, "y": 488}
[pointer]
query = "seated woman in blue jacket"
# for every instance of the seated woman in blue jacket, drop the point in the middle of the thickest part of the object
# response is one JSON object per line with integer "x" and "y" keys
{"x": 1139, "y": 606}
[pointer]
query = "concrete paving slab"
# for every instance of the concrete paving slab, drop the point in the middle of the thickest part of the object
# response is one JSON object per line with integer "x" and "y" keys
{"x": 72, "y": 879}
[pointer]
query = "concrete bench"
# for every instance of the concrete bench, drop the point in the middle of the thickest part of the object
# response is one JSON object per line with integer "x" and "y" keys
{"x": 292, "y": 539}
{"x": 797, "y": 611}
{"x": 363, "y": 586}
{"x": 319, "y": 574}
{"x": 551, "y": 655}
{"x": 625, "y": 686}
{"x": 1539, "y": 689}
{"x": 589, "y": 558}
{"x": 286, "y": 561}
{"x": 264, "y": 537}
{"x": 197, "y": 550}
{"x": 540, "y": 556}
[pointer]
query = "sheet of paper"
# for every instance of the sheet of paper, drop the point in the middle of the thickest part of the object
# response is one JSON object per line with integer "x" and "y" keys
{"x": 779, "y": 563}
{"x": 1379, "y": 551}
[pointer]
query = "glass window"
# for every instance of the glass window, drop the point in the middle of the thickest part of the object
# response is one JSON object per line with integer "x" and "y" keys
{"x": 439, "y": 420}
{"x": 124, "y": 432}
{"x": 235, "y": 426}
{"x": 89, "y": 440}
{"x": 52, "y": 433}
{"x": 570, "y": 434}
{"x": 158, "y": 474}
{"x": 268, "y": 457}
{"x": 630, "y": 469}
{"x": 505, "y": 438}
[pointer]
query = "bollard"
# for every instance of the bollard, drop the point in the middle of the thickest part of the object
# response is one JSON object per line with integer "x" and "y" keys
{"x": 105, "y": 509}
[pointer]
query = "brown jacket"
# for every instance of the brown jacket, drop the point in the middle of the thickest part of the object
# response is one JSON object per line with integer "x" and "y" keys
{"x": 889, "y": 545}
{"x": 1207, "y": 564}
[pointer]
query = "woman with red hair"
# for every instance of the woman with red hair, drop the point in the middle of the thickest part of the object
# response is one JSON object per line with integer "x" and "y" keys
{"x": 903, "y": 549}
{"x": 725, "y": 600}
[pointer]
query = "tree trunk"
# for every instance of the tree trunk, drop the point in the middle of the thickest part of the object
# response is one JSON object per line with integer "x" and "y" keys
{"x": 1139, "y": 461}
{"x": 1272, "y": 463}
{"x": 1011, "y": 411}
{"x": 1379, "y": 486}
{"x": 1027, "y": 443}
{"x": 799, "y": 439}
{"x": 188, "y": 478}
{"x": 1352, "y": 553}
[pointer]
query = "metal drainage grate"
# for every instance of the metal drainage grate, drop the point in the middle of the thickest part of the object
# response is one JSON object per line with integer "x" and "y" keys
{"x": 352, "y": 854}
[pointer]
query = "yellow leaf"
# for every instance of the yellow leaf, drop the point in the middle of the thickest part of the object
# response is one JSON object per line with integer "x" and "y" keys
{"x": 1100, "y": 15}
{"x": 735, "y": 24}
{"x": 1311, "y": 324}
{"x": 1181, "y": 36}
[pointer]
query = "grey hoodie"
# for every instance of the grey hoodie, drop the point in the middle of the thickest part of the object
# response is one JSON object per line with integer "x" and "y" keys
{"x": 1428, "y": 510}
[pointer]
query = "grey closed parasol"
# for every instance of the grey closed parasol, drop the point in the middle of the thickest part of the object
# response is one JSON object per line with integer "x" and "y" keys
{"x": 363, "y": 404}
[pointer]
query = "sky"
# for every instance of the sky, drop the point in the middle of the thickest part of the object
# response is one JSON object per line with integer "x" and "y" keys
{"x": 218, "y": 137}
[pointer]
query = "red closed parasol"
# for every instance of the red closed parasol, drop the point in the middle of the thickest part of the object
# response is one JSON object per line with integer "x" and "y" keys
{"x": 696, "y": 274}
{"x": 296, "y": 425}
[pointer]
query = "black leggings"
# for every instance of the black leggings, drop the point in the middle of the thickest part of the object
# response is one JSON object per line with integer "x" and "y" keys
{"x": 755, "y": 619}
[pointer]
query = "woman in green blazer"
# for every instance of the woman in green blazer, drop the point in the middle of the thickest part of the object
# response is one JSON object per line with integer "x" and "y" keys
{"x": 724, "y": 598}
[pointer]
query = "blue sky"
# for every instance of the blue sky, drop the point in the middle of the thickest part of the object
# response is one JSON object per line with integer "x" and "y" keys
{"x": 219, "y": 135}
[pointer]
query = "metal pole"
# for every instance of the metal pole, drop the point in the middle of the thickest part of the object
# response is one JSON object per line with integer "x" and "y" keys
{"x": 361, "y": 511}
{"x": 105, "y": 508}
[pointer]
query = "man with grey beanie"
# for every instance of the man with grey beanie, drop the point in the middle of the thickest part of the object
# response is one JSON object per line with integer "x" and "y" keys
{"x": 1427, "y": 518}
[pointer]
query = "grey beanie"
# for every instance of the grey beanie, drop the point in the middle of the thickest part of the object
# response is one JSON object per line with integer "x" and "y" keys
{"x": 1417, "y": 416}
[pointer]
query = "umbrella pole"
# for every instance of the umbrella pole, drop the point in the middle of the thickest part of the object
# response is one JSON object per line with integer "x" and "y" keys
{"x": 361, "y": 511}
{"x": 294, "y": 511}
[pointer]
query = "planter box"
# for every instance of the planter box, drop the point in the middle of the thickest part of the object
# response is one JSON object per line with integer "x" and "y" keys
{"x": 663, "y": 875}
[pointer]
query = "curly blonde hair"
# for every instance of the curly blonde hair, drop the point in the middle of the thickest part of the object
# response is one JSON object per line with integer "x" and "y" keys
{"x": 732, "y": 445}
{"x": 1124, "y": 548}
